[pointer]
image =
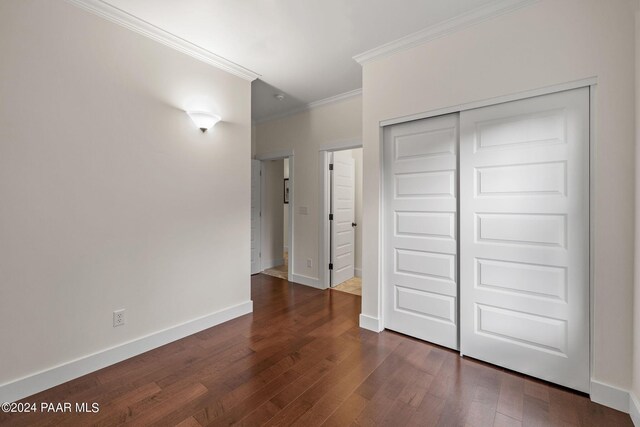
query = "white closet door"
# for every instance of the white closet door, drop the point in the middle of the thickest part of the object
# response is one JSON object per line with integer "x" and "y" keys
{"x": 420, "y": 248}
{"x": 256, "y": 166}
{"x": 343, "y": 207}
{"x": 524, "y": 234}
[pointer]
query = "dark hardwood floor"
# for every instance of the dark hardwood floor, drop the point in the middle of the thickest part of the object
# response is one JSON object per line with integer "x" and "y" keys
{"x": 301, "y": 359}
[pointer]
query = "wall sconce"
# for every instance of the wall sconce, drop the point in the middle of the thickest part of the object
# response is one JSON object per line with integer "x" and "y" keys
{"x": 203, "y": 120}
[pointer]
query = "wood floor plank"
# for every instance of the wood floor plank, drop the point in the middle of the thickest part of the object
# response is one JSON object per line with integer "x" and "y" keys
{"x": 416, "y": 389}
{"x": 482, "y": 411}
{"x": 535, "y": 412}
{"x": 429, "y": 412}
{"x": 536, "y": 389}
{"x": 189, "y": 422}
{"x": 301, "y": 359}
{"x": 505, "y": 421}
{"x": 511, "y": 397}
{"x": 345, "y": 414}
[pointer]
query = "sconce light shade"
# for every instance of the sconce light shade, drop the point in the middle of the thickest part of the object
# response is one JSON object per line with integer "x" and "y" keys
{"x": 203, "y": 120}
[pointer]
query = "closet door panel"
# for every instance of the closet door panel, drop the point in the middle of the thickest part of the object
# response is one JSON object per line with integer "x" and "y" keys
{"x": 420, "y": 229}
{"x": 524, "y": 236}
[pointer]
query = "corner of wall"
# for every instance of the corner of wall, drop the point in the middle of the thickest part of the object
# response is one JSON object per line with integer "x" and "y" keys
{"x": 371, "y": 323}
{"x": 611, "y": 396}
{"x": 634, "y": 409}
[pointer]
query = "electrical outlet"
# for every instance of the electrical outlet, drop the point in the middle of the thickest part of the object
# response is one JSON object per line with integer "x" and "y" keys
{"x": 309, "y": 263}
{"x": 118, "y": 318}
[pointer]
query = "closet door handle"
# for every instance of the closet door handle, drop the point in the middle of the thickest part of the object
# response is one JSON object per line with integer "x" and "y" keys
{"x": 353, "y": 224}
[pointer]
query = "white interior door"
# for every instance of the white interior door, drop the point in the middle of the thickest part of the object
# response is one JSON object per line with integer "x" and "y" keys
{"x": 524, "y": 233}
{"x": 343, "y": 196}
{"x": 420, "y": 246}
{"x": 256, "y": 167}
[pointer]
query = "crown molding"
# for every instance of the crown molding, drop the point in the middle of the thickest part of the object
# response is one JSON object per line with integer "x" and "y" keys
{"x": 442, "y": 29}
{"x": 127, "y": 20}
{"x": 310, "y": 106}
{"x": 334, "y": 99}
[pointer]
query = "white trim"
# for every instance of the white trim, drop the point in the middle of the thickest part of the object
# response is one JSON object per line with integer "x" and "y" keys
{"x": 291, "y": 217}
{"x": 306, "y": 280}
{"x": 591, "y": 81}
{"x": 341, "y": 144}
{"x": 442, "y": 29}
{"x": 634, "y": 409}
{"x": 381, "y": 242}
{"x": 323, "y": 215}
{"x": 259, "y": 237}
{"x": 43, "y": 380}
{"x": 370, "y": 323}
{"x": 333, "y": 99}
{"x": 358, "y": 272}
{"x": 608, "y": 395}
{"x": 276, "y": 155}
{"x": 140, "y": 26}
{"x": 310, "y": 106}
{"x": 593, "y": 211}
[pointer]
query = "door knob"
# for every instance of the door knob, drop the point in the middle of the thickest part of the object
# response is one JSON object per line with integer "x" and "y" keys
{"x": 353, "y": 224}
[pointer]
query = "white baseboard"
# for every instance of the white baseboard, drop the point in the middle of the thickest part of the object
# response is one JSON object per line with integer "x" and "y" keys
{"x": 314, "y": 282}
{"x": 610, "y": 396}
{"x": 43, "y": 380}
{"x": 371, "y": 323}
{"x": 634, "y": 409}
{"x": 272, "y": 263}
{"x": 358, "y": 272}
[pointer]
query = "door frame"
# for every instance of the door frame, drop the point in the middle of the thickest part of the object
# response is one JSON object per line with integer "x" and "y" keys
{"x": 324, "y": 203}
{"x": 259, "y": 237}
{"x": 281, "y": 155}
{"x": 592, "y": 84}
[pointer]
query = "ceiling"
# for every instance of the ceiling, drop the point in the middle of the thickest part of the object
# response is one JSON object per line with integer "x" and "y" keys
{"x": 302, "y": 49}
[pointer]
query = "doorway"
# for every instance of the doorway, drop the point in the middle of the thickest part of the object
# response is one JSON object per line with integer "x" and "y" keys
{"x": 272, "y": 222}
{"x": 341, "y": 208}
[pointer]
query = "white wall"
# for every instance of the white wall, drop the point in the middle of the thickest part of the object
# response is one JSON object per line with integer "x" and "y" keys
{"x": 305, "y": 133}
{"x": 548, "y": 43}
{"x": 272, "y": 220}
{"x": 111, "y": 197}
{"x": 285, "y": 210}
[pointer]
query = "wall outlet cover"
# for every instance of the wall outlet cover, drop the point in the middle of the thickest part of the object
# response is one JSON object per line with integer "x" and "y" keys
{"x": 118, "y": 318}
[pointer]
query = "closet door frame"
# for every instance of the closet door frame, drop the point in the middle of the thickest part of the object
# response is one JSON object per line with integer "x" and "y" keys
{"x": 592, "y": 85}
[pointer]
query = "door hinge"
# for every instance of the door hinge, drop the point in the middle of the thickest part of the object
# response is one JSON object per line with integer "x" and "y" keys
{"x": 260, "y": 214}
{"x": 330, "y": 166}
{"x": 260, "y": 255}
{"x": 330, "y": 217}
{"x": 330, "y": 266}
